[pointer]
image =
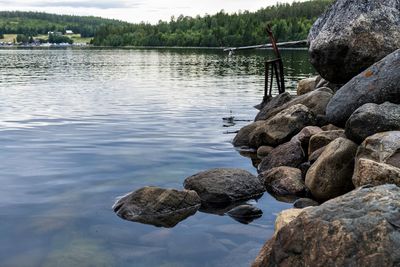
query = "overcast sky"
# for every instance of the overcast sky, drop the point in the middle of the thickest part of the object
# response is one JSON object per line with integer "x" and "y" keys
{"x": 136, "y": 10}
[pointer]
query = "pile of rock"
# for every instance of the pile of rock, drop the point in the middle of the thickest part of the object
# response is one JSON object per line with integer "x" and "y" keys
{"x": 344, "y": 146}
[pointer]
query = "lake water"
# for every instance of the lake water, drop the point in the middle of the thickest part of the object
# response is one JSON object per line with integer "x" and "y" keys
{"x": 79, "y": 128}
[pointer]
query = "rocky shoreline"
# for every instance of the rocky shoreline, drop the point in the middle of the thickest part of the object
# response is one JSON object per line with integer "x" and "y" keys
{"x": 334, "y": 149}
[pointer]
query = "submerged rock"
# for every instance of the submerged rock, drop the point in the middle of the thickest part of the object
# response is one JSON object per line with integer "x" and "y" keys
{"x": 378, "y": 160}
{"x": 281, "y": 127}
{"x": 360, "y": 228}
{"x": 283, "y": 181}
{"x": 245, "y": 213}
{"x": 373, "y": 118}
{"x": 290, "y": 154}
{"x": 352, "y": 35}
{"x": 223, "y": 186}
{"x": 378, "y": 84}
{"x": 157, "y": 206}
{"x": 330, "y": 176}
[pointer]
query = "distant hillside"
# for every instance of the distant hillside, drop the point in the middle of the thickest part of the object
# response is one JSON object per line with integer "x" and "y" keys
{"x": 289, "y": 22}
{"x": 36, "y": 23}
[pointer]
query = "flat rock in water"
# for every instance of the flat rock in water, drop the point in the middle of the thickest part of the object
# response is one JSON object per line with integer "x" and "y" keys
{"x": 372, "y": 118}
{"x": 377, "y": 84}
{"x": 223, "y": 186}
{"x": 360, "y": 228}
{"x": 352, "y": 35}
{"x": 157, "y": 206}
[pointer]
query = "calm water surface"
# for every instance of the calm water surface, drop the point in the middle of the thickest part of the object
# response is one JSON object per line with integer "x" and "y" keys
{"x": 80, "y": 127}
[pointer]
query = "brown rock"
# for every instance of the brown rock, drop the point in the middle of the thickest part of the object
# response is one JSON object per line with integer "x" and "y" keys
{"x": 360, "y": 228}
{"x": 330, "y": 176}
{"x": 283, "y": 181}
{"x": 242, "y": 137}
{"x": 157, "y": 206}
{"x": 289, "y": 154}
{"x": 377, "y": 160}
{"x": 330, "y": 127}
{"x": 316, "y": 101}
{"x": 281, "y": 127}
{"x": 323, "y": 138}
{"x": 264, "y": 151}
{"x": 307, "y": 85}
{"x": 305, "y": 134}
{"x": 370, "y": 172}
{"x": 222, "y": 186}
{"x": 315, "y": 155}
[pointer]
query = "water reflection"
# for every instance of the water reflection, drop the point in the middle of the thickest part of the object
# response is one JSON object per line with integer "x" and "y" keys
{"x": 80, "y": 127}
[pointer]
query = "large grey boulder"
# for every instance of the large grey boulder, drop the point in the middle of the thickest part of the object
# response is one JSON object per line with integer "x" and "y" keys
{"x": 378, "y": 160}
{"x": 373, "y": 118}
{"x": 281, "y": 127}
{"x": 223, "y": 186}
{"x": 283, "y": 181}
{"x": 352, "y": 35}
{"x": 360, "y": 228}
{"x": 157, "y": 206}
{"x": 289, "y": 154}
{"x": 330, "y": 175}
{"x": 377, "y": 84}
{"x": 315, "y": 100}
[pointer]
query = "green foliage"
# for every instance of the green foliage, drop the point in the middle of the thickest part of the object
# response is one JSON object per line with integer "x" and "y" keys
{"x": 58, "y": 39}
{"x": 22, "y": 38}
{"x": 1, "y": 36}
{"x": 37, "y": 23}
{"x": 289, "y": 23}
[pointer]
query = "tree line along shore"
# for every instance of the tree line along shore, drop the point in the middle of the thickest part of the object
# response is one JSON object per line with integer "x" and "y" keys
{"x": 289, "y": 22}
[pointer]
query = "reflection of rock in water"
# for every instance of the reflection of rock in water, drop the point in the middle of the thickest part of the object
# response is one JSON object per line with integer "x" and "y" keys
{"x": 245, "y": 213}
{"x": 157, "y": 206}
{"x": 251, "y": 154}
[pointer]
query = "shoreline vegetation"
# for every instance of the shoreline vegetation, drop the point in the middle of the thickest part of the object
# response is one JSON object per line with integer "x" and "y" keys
{"x": 290, "y": 22}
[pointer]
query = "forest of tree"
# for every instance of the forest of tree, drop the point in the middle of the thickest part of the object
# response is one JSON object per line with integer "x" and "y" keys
{"x": 289, "y": 22}
{"x": 35, "y": 23}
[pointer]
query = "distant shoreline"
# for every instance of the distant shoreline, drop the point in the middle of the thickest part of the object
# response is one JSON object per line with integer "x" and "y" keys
{"x": 136, "y": 47}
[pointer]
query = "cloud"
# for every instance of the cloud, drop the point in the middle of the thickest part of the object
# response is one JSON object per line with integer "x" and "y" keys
{"x": 105, "y": 4}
